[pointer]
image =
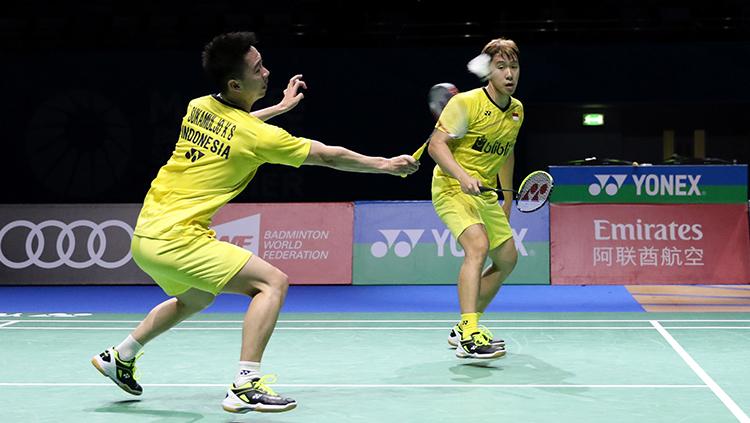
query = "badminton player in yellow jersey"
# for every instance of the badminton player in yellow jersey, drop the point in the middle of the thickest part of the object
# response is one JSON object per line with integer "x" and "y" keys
{"x": 220, "y": 146}
{"x": 473, "y": 147}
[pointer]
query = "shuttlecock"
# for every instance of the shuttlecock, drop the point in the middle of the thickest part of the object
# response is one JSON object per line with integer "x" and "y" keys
{"x": 480, "y": 66}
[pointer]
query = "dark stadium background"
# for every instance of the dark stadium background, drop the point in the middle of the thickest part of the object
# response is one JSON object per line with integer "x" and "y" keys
{"x": 93, "y": 92}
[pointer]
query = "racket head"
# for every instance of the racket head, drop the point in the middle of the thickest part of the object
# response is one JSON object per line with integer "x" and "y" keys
{"x": 534, "y": 191}
{"x": 438, "y": 97}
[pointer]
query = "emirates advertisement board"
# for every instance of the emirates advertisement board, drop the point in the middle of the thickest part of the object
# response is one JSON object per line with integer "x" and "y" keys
{"x": 617, "y": 244}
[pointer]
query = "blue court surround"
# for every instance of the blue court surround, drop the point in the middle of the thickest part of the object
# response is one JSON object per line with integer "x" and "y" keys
{"x": 323, "y": 298}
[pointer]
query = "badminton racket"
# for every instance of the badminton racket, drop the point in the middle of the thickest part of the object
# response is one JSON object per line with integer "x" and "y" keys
{"x": 533, "y": 192}
{"x": 437, "y": 98}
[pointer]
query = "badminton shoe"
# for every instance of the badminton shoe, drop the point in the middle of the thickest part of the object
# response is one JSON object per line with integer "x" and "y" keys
{"x": 478, "y": 346}
{"x": 454, "y": 338}
{"x": 256, "y": 395}
{"x": 121, "y": 372}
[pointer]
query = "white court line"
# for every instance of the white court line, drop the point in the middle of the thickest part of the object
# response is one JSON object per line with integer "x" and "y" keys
{"x": 715, "y": 388}
{"x": 362, "y": 386}
{"x": 73, "y": 320}
{"x": 6, "y": 326}
{"x": 706, "y": 327}
{"x": 346, "y": 328}
{"x": 395, "y": 328}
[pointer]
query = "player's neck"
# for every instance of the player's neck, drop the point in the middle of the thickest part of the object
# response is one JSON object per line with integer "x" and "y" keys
{"x": 500, "y": 99}
{"x": 237, "y": 102}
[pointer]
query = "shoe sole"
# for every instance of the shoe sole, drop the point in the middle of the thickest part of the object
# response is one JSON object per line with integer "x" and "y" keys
{"x": 125, "y": 388}
{"x": 454, "y": 345}
{"x": 260, "y": 408}
{"x": 498, "y": 354}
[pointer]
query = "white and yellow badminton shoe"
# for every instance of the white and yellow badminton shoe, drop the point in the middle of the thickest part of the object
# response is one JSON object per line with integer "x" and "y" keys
{"x": 478, "y": 346}
{"x": 121, "y": 372}
{"x": 454, "y": 338}
{"x": 256, "y": 395}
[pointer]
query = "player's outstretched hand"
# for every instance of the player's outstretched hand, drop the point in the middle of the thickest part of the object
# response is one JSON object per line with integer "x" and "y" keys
{"x": 292, "y": 95}
{"x": 402, "y": 165}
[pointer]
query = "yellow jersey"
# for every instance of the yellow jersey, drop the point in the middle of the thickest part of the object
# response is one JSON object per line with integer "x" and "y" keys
{"x": 483, "y": 135}
{"x": 218, "y": 152}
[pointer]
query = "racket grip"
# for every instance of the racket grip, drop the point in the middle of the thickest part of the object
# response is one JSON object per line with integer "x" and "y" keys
{"x": 417, "y": 154}
{"x": 487, "y": 189}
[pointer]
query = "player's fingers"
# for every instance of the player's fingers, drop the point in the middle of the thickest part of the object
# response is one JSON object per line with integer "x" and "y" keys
{"x": 409, "y": 159}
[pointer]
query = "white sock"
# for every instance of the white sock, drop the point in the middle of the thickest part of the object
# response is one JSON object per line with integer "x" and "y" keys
{"x": 128, "y": 348}
{"x": 248, "y": 371}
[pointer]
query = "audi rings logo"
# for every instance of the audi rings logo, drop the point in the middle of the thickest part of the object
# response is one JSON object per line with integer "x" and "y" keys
{"x": 65, "y": 244}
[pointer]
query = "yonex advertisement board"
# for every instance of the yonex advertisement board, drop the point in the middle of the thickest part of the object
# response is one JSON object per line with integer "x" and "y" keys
{"x": 310, "y": 242}
{"x": 719, "y": 184}
{"x": 649, "y": 244}
{"x": 404, "y": 242}
{"x": 55, "y": 244}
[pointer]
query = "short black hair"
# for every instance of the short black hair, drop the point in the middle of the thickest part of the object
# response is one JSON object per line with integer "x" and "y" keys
{"x": 224, "y": 56}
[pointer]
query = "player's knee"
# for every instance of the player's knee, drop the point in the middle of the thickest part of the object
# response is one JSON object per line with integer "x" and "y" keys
{"x": 475, "y": 255}
{"x": 195, "y": 303}
{"x": 512, "y": 259}
{"x": 278, "y": 283}
{"x": 476, "y": 250}
{"x": 506, "y": 258}
{"x": 283, "y": 282}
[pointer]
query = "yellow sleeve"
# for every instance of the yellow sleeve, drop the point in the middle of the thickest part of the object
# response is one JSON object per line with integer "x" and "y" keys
{"x": 280, "y": 147}
{"x": 454, "y": 118}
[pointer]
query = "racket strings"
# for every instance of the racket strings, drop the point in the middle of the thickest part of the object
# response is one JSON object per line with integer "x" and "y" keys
{"x": 534, "y": 191}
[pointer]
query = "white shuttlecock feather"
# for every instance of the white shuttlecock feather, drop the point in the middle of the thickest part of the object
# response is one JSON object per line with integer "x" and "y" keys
{"x": 480, "y": 66}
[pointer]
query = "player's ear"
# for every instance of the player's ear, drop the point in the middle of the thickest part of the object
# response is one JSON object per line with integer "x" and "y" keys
{"x": 234, "y": 85}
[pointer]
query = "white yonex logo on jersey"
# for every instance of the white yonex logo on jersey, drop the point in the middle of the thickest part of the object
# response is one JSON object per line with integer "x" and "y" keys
{"x": 609, "y": 183}
{"x": 65, "y": 244}
{"x": 402, "y": 248}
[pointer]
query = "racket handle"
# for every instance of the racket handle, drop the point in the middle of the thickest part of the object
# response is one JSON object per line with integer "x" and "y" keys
{"x": 488, "y": 189}
{"x": 417, "y": 154}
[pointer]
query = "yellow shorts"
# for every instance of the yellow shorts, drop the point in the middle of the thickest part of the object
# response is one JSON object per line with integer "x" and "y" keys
{"x": 459, "y": 211}
{"x": 200, "y": 262}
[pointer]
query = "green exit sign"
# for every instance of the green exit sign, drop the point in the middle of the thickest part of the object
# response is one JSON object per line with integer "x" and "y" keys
{"x": 593, "y": 119}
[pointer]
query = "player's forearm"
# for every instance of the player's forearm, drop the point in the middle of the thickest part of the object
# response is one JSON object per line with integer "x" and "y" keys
{"x": 341, "y": 158}
{"x": 506, "y": 176}
{"x": 442, "y": 155}
{"x": 269, "y": 112}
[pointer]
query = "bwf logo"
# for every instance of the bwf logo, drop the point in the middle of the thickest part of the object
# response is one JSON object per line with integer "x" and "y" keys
{"x": 243, "y": 232}
{"x": 607, "y": 183}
